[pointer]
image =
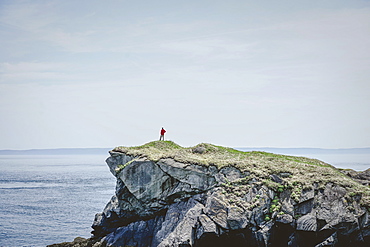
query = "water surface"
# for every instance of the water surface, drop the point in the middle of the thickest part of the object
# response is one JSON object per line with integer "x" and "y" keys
{"x": 46, "y": 199}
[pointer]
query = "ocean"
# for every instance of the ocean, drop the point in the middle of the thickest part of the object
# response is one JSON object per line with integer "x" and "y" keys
{"x": 46, "y": 199}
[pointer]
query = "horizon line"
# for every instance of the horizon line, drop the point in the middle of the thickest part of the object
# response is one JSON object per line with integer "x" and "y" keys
{"x": 240, "y": 147}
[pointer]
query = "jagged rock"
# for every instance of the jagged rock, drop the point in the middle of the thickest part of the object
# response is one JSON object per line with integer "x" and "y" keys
{"x": 287, "y": 203}
{"x": 362, "y": 177}
{"x": 307, "y": 195}
{"x": 182, "y": 232}
{"x": 77, "y": 242}
{"x": 237, "y": 218}
{"x": 217, "y": 211}
{"x": 231, "y": 174}
{"x": 285, "y": 219}
{"x": 307, "y": 223}
{"x": 276, "y": 179}
{"x": 166, "y": 199}
{"x": 207, "y": 225}
{"x": 146, "y": 181}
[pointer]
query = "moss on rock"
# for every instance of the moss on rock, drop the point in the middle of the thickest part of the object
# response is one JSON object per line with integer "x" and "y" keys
{"x": 304, "y": 173}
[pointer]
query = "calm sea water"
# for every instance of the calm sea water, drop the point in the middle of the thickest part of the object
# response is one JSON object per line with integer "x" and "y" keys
{"x": 50, "y": 198}
{"x": 46, "y": 199}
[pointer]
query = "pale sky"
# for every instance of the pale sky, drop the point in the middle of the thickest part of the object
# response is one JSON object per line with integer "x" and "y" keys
{"x": 234, "y": 73}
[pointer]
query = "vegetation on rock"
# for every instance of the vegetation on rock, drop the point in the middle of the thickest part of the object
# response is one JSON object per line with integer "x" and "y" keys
{"x": 296, "y": 173}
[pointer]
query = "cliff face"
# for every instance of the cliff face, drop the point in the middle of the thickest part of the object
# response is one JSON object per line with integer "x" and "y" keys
{"x": 170, "y": 196}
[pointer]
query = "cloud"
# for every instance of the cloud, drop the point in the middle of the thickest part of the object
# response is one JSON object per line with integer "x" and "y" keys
{"x": 28, "y": 16}
{"x": 242, "y": 65}
{"x": 36, "y": 72}
{"x": 43, "y": 22}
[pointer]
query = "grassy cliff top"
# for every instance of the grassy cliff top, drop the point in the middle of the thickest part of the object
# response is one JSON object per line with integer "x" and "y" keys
{"x": 297, "y": 172}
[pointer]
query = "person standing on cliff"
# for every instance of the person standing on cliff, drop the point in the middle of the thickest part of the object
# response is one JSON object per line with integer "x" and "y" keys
{"x": 162, "y": 134}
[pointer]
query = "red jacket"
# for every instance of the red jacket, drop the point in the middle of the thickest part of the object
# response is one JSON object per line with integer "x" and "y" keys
{"x": 162, "y": 131}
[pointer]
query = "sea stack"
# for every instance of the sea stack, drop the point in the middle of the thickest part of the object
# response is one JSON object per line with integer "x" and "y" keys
{"x": 208, "y": 195}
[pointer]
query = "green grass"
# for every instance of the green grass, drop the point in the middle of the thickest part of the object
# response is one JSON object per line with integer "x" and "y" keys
{"x": 303, "y": 172}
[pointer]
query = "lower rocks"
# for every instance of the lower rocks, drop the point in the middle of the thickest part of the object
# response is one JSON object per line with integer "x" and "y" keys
{"x": 77, "y": 242}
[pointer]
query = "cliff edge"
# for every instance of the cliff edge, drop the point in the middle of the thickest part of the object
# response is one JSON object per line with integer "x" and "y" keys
{"x": 208, "y": 195}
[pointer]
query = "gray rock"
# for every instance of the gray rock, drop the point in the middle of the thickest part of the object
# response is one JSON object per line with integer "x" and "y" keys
{"x": 276, "y": 179}
{"x": 145, "y": 180}
{"x": 287, "y": 203}
{"x": 216, "y": 209}
{"x": 306, "y": 195}
{"x": 231, "y": 174}
{"x": 304, "y": 207}
{"x": 77, "y": 242}
{"x": 169, "y": 203}
{"x": 199, "y": 178}
{"x": 206, "y": 225}
{"x": 264, "y": 233}
{"x": 116, "y": 160}
{"x": 237, "y": 218}
{"x": 199, "y": 150}
{"x": 362, "y": 177}
{"x": 181, "y": 226}
{"x": 285, "y": 219}
{"x": 307, "y": 223}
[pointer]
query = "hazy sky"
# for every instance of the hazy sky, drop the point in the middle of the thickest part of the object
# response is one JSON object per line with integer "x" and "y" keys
{"x": 235, "y": 73}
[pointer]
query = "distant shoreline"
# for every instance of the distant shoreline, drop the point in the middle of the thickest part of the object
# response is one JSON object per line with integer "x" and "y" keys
{"x": 309, "y": 150}
{"x": 98, "y": 151}
{"x": 58, "y": 151}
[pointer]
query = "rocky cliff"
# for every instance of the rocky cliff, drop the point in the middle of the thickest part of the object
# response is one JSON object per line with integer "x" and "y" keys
{"x": 208, "y": 195}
